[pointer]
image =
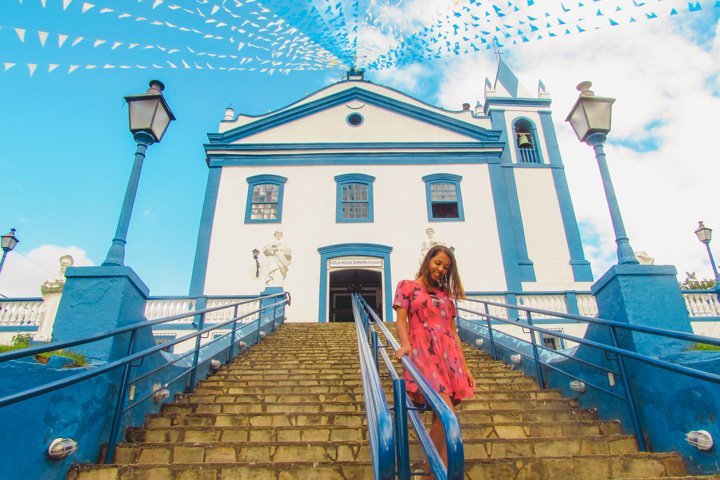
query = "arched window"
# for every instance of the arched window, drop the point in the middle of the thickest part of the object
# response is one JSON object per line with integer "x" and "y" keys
{"x": 444, "y": 199}
{"x": 265, "y": 198}
{"x": 354, "y": 198}
{"x": 526, "y": 142}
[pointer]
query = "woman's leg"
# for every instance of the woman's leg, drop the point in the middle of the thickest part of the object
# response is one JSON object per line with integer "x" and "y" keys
{"x": 437, "y": 432}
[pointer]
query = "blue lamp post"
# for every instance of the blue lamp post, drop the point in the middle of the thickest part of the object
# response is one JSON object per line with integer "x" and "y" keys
{"x": 149, "y": 118}
{"x": 704, "y": 234}
{"x": 8, "y": 243}
{"x": 590, "y": 118}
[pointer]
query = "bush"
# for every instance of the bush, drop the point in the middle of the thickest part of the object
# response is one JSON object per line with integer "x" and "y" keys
{"x": 23, "y": 341}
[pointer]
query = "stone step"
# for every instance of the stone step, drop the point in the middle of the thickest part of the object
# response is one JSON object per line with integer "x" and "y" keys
{"x": 257, "y": 407}
{"x": 357, "y": 470}
{"x": 225, "y": 452}
{"x": 309, "y": 433}
{"x": 257, "y": 419}
{"x": 585, "y": 467}
{"x": 470, "y": 431}
{"x": 254, "y": 398}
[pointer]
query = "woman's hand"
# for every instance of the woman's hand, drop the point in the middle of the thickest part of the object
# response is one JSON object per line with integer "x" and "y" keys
{"x": 403, "y": 350}
{"x": 469, "y": 375}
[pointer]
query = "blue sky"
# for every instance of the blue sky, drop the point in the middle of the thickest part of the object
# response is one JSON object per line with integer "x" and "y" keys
{"x": 67, "y": 152}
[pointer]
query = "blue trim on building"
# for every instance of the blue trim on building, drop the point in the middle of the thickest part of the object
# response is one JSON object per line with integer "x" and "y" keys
{"x": 252, "y": 147}
{"x": 582, "y": 271}
{"x": 359, "y": 94}
{"x": 359, "y": 250}
{"x": 351, "y": 178}
{"x": 265, "y": 180}
{"x": 517, "y": 263}
{"x": 443, "y": 178}
{"x": 359, "y": 158}
{"x": 496, "y": 103}
{"x": 202, "y": 251}
{"x": 19, "y": 328}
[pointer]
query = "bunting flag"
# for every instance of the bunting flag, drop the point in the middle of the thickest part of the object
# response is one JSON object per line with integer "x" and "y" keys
{"x": 283, "y": 36}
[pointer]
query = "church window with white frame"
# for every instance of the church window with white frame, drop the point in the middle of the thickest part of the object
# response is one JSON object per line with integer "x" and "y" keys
{"x": 265, "y": 198}
{"x": 354, "y": 198}
{"x": 444, "y": 198}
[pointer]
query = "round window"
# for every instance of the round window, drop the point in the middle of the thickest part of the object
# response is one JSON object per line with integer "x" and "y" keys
{"x": 355, "y": 119}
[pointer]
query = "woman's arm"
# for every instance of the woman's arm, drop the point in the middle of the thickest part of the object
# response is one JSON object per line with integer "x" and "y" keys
{"x": 403, "y": 329}
{"x": 468, "y": 373}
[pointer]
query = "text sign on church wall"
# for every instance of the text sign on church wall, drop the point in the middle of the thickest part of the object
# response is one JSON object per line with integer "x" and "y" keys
{"x": 355, "y": 262}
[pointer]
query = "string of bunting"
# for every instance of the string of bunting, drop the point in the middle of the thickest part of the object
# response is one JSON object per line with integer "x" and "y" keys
{"x": 284, "y": 36}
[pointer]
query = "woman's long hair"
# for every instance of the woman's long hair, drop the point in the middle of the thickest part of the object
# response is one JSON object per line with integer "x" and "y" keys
{"x": 451, "y": 283}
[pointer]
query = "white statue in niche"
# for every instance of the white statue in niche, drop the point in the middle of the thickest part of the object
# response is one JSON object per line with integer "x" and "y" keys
{"x": 428, "y": 243}
{"x": 644, "y": 258}
{"x": 278, "y": 258}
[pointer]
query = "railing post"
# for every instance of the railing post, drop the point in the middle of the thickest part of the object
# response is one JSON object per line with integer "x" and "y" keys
{"x": 374, "y": 343}
{"x": 120, "y": 405}
{"x": 629, "y": 393}
{"x": 538, "y": 365}
{"x": 274, "y": 315}
{"x": 231, "y": 350}
{"x": 490, "y": 334}
{"x": 259, "y": 320}
{"x": 402, "y": 443}
{"x": 196, "y": 354}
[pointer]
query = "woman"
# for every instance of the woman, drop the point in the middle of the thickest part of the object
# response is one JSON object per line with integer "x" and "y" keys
{"x": 426, "y": 315}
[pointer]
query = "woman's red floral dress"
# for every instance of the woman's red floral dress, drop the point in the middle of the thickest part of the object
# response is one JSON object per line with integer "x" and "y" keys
{"x": 434, "y": 350}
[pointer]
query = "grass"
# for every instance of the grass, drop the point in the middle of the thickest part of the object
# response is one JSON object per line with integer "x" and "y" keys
{"x": 23, "y": 341}
{"x": 703, "y": 346}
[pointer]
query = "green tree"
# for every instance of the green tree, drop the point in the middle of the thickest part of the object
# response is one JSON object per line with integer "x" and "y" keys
{"x": 691, "y": 282}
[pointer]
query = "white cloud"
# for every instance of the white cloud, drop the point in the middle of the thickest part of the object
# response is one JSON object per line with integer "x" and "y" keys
{"x": 23, "y": 273}
{"x": 661, "y": 79}
{"x": 406, "y": 79}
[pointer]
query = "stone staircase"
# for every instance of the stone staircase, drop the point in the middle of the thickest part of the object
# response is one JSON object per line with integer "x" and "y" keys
{"x": 292, "y": 408}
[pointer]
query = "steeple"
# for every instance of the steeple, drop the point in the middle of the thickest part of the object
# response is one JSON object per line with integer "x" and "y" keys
{"x": 507, "y": 83}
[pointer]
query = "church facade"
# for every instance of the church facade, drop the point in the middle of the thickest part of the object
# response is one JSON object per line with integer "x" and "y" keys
{"x": 344, "y": 190}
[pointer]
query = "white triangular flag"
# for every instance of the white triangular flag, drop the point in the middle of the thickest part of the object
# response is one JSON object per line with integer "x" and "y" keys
{"x": 172, "y": 65}
{"x": 214, "y": 10}
{"x": 21, "y": 34}
{"x": 116, "y": 44}
{"x": 43, "y": 2}
{"x": 107, "y": 66}
{"x": 106, "y": 10}
{"x": 8, "y": 65}
{"x": 87, "y": 6}
{"x": 77, "y": 40}
{"x": 66, "y": 3}
{"x": 43, "y": 37}
{"x": 124, "y": 15}
{"x": 31, "y": 68}
{"x": 157, "y": 3}
{"x": 133, "y": 45}
{"x": 90, "y": 67}
{"x": 98, "y": 42}
{"x": 61, "y": 39}
{"x": 185, "y": 64}
{"x": 52, "y": 67}
{"x": 72, "y": 68}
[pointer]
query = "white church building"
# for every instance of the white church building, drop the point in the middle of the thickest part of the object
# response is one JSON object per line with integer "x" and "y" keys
{"x": 345, "y": 189}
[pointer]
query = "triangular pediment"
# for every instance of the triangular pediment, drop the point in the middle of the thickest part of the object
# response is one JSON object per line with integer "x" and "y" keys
{"x": 384, "y": 115}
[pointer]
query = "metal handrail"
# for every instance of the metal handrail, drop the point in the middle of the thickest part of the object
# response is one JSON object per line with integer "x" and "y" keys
{"x": 614, "y": 348}
{"x": 455, "y": 469}
{"x": 380, "y": 422}
{"x": 127, "y": 361}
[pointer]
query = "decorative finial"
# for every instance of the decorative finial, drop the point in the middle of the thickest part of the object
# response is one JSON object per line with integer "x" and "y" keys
{"x": 156, "y": 87}
{"x": 584, "y": 89}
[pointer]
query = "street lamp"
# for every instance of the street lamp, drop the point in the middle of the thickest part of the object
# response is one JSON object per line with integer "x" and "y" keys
{"x": 590, "y": 118}
{"x": 8, "y": 243}
{"x": 149, "y": 118}
{"x": 256, "y": 255}
{"x": 704, "y": 234}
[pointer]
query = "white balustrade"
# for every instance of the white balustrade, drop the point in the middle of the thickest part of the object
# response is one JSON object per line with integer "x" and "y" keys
{"x": 21, "y": 313}
{"x": 550, "y": 302}
{"x": 478, "y": 307}
{"x": 169, "y": 307}
{"x": 702, "y": 304}
{"x": 587, "y": 307}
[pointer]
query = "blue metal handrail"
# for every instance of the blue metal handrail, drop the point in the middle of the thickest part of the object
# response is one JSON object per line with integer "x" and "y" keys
{"x": 380, "y": 422}
{"x": 455, "y": 469}
{"x": 621, "y": 353}
{"x": 127, "y": 361}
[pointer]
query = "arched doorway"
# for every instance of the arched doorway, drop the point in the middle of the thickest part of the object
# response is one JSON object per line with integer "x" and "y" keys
{"x": 368, "y": 260}
{"x": 345, "y": 282}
